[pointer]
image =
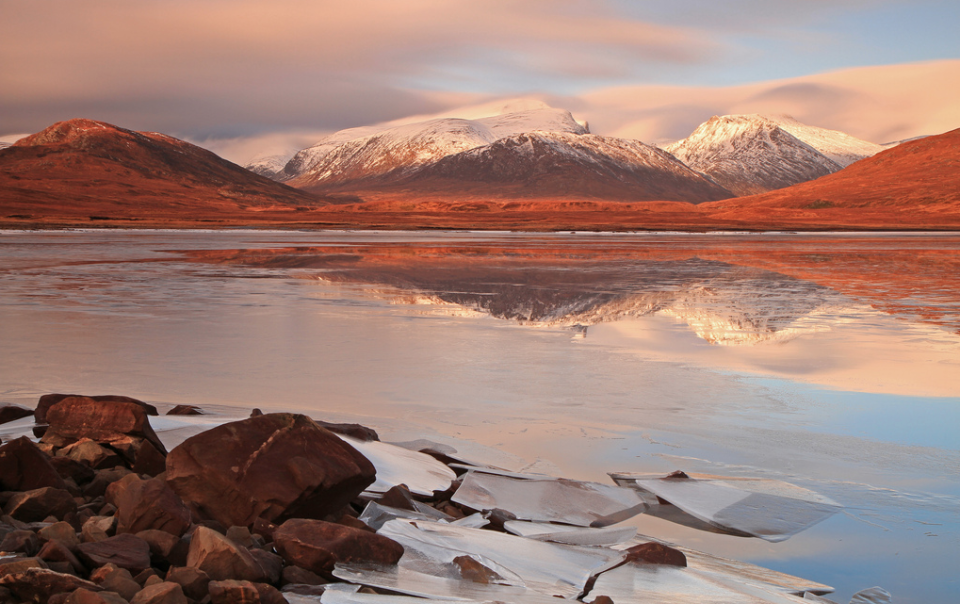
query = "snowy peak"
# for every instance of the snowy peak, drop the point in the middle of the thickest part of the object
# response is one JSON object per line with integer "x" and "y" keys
{"x": 751, "y": 154}
{"x": 838, "y": 146}
{"x": 374, "y": 151}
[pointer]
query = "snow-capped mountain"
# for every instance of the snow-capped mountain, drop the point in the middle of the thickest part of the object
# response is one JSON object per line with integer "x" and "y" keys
{"x": 270, "y": 166}
{"x": 564, "y": 164}
{"x": 4, "y": 145}
{"x": 360, "y": 154}
{"x": 751, "y": 154}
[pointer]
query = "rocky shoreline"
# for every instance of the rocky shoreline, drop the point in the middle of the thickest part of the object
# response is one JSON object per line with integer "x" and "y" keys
{"x": 283, "y": 508}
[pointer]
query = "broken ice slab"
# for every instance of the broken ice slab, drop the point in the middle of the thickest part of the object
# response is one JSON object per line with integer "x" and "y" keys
{"x": 747, "y": 507}
{"x": 548, "y": 568}
{"x": 472, "y": 521}
{"x": 570, "y": 535}
{"x": 395, "y": 465}
{"x": 376, "y": 515}
{"x": 546, "y": 499}
{"x": 437, "y": 589}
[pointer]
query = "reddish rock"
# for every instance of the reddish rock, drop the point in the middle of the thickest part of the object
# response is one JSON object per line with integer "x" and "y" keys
{"x": 37, "y": 504}
{"x": 355, "y": 430}
{"x": 161, "y": 544}
{"x": 269, "y": 594}
{"x": 22, "y": 541}
{"x": 301, "y": 576}
{"x": 656, "y": 553}
{"x": 143, "y": 457}
{"x": 126, "y": 551}
{"x": 471, "y": 570}
{"x": 24, "y": 467}
{"x": 62, "y": 532}
{"x": 221, "y": 558}
{"x": 193, "y": 581}
{"x": 399, "y": 497}
{"x": 54, "y": 551}
{"x": 69, "y": 468}
{"x": 271, "y": 565}
{"x": 316, "y": 545}
{"x": 185, "y": 410}
{"x": 91, "y": 454}
{"x": 77, "y": 417}
{"x": 274, "y": 466}
{"x": 12, "y": 566}
{"x": 85, "y": 596}
{"x": 48, "y": 400}
{"x": 147, "y": 504}
{"x": 233, "y": 592}
{"x": 10, "y": 412}
{"x": 103, "y": 479}
{"x": 110, "y": 577}
{"x": 98, "y": 528}
{"x": 38, "y": 584}
{"x": 150, "y": 575}
{"x": 164, "y": 592}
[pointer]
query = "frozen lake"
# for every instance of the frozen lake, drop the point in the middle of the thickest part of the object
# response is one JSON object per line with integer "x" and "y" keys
{"x": 828, "y": 361}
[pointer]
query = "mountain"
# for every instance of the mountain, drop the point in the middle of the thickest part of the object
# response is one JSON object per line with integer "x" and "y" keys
{"x": 750, "y": 154}
{"x": 89, "y": 169}
{"x": 916, "y": 182}
{"x": 559, "y": 165}
{"x": 351, "y": 159}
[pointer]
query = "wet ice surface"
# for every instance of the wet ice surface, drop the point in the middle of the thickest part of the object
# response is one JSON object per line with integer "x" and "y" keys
{"x": 830, "y": 362}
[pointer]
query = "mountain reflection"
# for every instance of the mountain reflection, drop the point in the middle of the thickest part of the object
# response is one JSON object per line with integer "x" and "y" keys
{"x": 723, "y": 303}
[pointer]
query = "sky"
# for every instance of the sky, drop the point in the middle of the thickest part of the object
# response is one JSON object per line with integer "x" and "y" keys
{"x": 242, "y": 77}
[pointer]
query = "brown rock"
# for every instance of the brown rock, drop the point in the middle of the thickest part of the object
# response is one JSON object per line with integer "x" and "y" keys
{"x": 193, "y": 581}
{"x": 103, "y": 479}
{"x": 316, "y": 545}
{"x": 22, "y": 541}
{"x": 355, "y": 430}
{"x": 98, "y": 528}
{"x": 37, "y": 504}
{"x": 62, "y": 532}
{"x": 471, "y": 570}
{"x": 185, "y": 410}
{"x": 147, "y": 504}
{"x": 240, "y": 535}
{"x": 399, "y": 497}
{"x": 147, "y": 575}
{"x": 269, "y": 594}
{"x": 233, "y": 592}
{"x": 69, "y": 468}
{"x": 91, "y": 454}
{"x": 13, "y": 566}
{"x": 24, "y": 467}
{"x": 125, "y": 550}
{"x": 110, "y": 577}
{"x": 161, "y": 544}
{"x": 38, "y": 584}
{"x": 10, "y": 412}
{"x": 85, "y": 596}
{"x": 48, "y": 400}
{"x": 656, "y": 553}
{"x": 54, "y": 551}
{"x": 271, "y": 565}
{"x": 103, "y": 421}
{"x": 602, "y": 600}
{"x": 220, "y": 558}
{"x": 296, "y": 575}
{"x": 273, "y": 466}
{"x": 164, "y": 592}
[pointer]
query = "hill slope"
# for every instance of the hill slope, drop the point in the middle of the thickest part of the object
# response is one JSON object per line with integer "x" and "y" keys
{"x": 87, "y": 168}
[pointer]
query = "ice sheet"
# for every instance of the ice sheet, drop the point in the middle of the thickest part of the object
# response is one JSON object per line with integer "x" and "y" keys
{"x": 769, "y": 509}
{"x": 545, "y": 499}
{"x": 395, "y": 465}
{"x": 570, "y": 535}
{"x": 376, "y": 515}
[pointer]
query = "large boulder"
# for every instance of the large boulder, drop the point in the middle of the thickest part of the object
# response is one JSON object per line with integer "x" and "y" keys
{"x": 37, "y": 504}
{"x": 38, "y": 584}
{"x": 126, "y": 551}
{"x": 49, "y": 400}
{"x": 103, "y": 421}
{"x": 24, "y": 467}
{"x": 147, "y": 504}
{"x": 317, "y": 545}
{"x": 10, "y": 412}
{"x": 221, "y": 558}
{"x": 273, "y": 466}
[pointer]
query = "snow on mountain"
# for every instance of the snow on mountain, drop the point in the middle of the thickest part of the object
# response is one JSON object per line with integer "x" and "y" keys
{"x": 268, "y": 165}
{"x": 371, "y": 152}
{"x": 751, "y": 154}
{"x": 838, "y": 146}
{"x": 565, "y": 164}
{"x": 4, "y": 145}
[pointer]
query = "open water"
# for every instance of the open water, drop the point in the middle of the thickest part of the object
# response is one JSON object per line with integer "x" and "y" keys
{"x": 830, "y": 361}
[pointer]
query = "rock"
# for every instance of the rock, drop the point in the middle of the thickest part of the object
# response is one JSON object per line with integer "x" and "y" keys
{"x": 185, "y": 410}
{"x": 91, "y": 454}
{"x": 103, "y": 421}
{"x": 103, "y": 479}
{"x": 233, "y": 592}
{"x": 193, "y": 581}
{"x": 147, "y": 504}
{"x": 69, "y": 468}
{"x": 125, "y": 550}
{"x": 147, "y": 575}
{"x": 54, "y": 551}
{"x": 22, "y": 541}
{"x": 656, "y": 553}
{"x": 62, "y": 532}
{"x": 296, "y": 575}
{"x": 269, "y": 594}
{"x": 98, "y": 528}
{"x": 48, "y": 400}
{"x": 10, "y": 412}
{"x": 13, "y": 566}
{"x": 143, "y": 457}
{"x": 110, "y": 577}
{"x": 240, "y": 535}
{"x": 398, "y": 497}
{"x": 37, "y": 504}
{"x": 271, "y": 565}
{"x": 164, "y": 592}
{"x": 152, "y": 580}
{"x": 161, "y": 544}
{"x": 355, "y": 430}
{"x": 317, "y": 545}
{"x": 474, "y": 571}
{"x": 85, "y": 596}
{"x": 220, "y": 558}
{"x": 274, "y": 466}
{"x": 24, "y": 467}
{"x": 602, "y": 600}
{"x": 38, "y": 584}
